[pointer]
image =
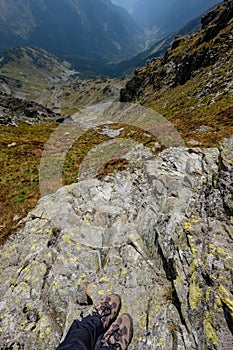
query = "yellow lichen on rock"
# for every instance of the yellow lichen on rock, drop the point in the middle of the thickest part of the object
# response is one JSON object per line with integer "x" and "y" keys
{"x": 188, "y": 226}
{"x": 226, "y": 298}
{"x": 195, "y": 295}
{"x": 195, "y": 292}
{"x": 210, "y": 331}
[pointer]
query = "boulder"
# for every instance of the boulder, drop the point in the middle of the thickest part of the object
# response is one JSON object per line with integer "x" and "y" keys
{"x": 15, "y": 111}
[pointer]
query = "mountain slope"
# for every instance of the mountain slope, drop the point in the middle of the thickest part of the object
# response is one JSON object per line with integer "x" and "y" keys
{"x": 168, "y": 16}
{"x": 28, "y": 71}
{"x": 156, "y": 50}
{"x": 42, "y": 64}
{"x": 35, "y": 74}
{"x": 193, "y": 81}
{"x": 85, "y": 28}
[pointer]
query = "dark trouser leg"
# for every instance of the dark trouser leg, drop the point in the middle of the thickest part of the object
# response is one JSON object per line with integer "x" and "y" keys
{"x": 101, "y": 347}
{"x": 82, "y": 335}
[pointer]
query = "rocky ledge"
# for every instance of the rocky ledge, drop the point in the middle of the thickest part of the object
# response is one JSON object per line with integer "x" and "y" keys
{"x": 14, "y": 111}
{"x": 159, "y": 233}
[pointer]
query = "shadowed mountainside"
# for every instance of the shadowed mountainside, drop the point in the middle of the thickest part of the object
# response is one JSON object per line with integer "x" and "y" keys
{"x": 42, "y": 23}
{"x": 192, "y": 84}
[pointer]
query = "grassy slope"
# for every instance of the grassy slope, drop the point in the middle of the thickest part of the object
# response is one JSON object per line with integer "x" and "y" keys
{"x": 29, "y": 72}
{"x": 20, "y": 163}
{"x": 20, "y": 152}
{"x": 205, "y": 100}
{"x": 37, "y": 75}
{"x": 188, "y": 107}
{"x": 21, "y": 149}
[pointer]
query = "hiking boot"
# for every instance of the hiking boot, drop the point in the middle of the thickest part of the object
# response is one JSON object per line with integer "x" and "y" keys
{"x": 119, "y": 334}
{"x": 108, "y": 309}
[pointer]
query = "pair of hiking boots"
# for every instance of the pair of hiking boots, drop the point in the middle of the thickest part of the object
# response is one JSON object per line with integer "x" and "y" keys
{"x": 118, "y": 330}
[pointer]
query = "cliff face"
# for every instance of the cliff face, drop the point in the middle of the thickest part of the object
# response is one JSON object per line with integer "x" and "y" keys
{"x": 159, "y": 233}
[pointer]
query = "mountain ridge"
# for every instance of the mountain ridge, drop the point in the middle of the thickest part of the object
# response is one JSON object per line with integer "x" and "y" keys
{"x": 42, "y": 23}
{"x": 184, "y": 48}
{"x": 193, "y": 80}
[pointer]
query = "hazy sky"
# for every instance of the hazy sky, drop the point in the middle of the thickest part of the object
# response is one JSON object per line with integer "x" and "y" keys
{"x": 127, "y": 4}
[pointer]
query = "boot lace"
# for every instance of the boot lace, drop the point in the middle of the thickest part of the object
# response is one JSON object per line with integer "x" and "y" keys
{"x": 104, "y": 310}
{"x": 116, "y": 333}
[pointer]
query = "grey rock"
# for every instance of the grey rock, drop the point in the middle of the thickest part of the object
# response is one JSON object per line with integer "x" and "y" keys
{"x": 14, "y": 111}
{"x": 159, "y": 234}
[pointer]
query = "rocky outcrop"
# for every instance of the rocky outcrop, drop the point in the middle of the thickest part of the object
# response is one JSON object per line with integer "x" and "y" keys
{"x": 160, "y": 233}
{"x": 14, "y": 111}
{"x": 213, "y": 22}
{"x": 208, "y": 50}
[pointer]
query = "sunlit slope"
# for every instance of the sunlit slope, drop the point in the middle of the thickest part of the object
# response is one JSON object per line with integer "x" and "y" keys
{"x": 192, "y": 84}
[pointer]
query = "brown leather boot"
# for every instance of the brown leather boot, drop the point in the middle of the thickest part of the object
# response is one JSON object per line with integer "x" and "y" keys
{"x": 108, "y": 309}
{"x": 120, "y": 333}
